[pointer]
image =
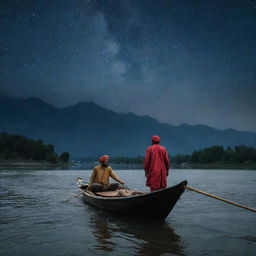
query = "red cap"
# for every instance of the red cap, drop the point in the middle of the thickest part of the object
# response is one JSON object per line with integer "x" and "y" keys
{"x": 103, "y": 158}
{"x": 155, "y": 138}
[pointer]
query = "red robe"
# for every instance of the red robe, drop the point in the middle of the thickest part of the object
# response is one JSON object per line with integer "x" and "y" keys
{"x": 156, "y": 166}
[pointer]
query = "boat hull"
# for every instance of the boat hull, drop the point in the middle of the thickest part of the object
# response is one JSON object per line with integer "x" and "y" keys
{"x": 157, "y": 204}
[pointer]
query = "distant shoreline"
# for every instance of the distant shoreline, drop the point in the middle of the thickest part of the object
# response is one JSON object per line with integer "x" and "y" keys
{"x": 19, "y": 165}
{"x": 217, "y": 166}
{"x": 10, "y": 165}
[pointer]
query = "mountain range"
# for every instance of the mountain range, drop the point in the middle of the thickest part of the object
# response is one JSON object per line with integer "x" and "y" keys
{"x": 87, "y": 129}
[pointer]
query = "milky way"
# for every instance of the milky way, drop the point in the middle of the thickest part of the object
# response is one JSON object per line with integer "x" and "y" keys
{"x": 178, "y": 61}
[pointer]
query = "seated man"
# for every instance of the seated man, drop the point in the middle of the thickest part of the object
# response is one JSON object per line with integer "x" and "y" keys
{"x": 99, "y": 180}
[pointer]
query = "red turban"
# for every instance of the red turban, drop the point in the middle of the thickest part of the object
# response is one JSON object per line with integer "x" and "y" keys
{"x": 156, "y": 139}
{"x": 103, "y": 158}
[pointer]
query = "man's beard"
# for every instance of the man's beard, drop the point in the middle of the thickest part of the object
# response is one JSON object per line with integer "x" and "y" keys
{"x": 104, "y": 165}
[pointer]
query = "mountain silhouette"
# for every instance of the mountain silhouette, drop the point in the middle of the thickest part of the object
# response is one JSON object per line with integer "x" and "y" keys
{"x": 87, "y": 129}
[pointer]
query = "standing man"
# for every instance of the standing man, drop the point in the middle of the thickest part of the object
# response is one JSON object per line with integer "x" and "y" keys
{"x": 156, "y": 165}
{"x": 99, "y": 180}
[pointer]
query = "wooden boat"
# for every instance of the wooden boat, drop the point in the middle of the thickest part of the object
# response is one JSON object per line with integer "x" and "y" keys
{"x": 157, "y": 204}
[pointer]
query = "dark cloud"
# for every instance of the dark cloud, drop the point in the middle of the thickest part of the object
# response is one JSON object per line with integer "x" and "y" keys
{"x": 178, "y": 61}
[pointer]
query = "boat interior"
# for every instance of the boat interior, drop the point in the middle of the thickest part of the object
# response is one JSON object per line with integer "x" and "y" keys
{"x": 121, "y": 192}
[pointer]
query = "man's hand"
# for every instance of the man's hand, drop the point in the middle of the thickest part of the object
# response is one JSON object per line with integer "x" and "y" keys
{"x": 121, "y": 182}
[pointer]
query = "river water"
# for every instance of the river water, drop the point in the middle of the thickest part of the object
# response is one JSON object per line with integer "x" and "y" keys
{"x": 36, "y": 220}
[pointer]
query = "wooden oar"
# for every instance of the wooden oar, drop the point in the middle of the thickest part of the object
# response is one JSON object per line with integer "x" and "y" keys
{"x": 74, "y": 196}
{"x": 219, "y": 198}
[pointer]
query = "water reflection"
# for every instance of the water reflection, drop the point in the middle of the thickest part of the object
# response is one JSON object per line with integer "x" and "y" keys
{"x": 103, "y": 234}
{"x": 141, "y": 237}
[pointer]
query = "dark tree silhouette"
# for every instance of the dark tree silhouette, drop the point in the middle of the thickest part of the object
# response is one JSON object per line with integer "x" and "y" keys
{"x": 64, "y": 157}
{"x": 14, "y": 147}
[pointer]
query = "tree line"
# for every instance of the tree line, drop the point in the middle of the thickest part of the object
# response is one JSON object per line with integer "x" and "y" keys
{"x": 117, "y": 160}
{"x": 211, "y": 155}
{"x": 217, "y": 154}
{"x": 16, "y": 147}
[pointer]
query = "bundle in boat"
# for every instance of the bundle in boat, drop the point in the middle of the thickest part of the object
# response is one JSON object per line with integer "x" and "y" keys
{"x": 120, "y": 193}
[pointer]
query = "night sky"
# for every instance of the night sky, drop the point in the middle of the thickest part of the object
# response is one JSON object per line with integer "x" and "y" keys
{"x": 191, "y": 61}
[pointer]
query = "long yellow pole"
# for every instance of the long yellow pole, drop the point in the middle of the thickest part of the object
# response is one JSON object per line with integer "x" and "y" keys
{"x": 219, "y": 198}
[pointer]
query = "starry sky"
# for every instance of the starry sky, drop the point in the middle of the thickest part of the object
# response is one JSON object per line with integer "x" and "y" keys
{"x": 179, "y": 61}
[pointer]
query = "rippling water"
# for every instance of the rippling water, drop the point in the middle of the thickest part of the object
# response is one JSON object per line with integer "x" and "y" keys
{"x": 36, "y": 219}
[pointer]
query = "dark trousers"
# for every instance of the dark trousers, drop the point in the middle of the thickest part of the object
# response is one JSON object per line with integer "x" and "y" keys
{"x": 96, "y": 187}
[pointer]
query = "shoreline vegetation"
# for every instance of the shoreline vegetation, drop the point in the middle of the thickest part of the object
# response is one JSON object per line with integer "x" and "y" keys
{"x": 19, "y": 165}
{"x": 18, "y": 152}
{"x": 23, "y": 165}
{"x": 215, "y": 157}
